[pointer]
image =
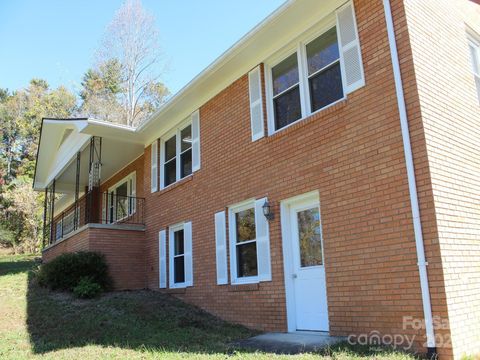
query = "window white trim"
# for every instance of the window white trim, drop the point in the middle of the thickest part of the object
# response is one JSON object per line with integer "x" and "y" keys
{"x": 474, "y": 44}
{"x": 298, "y": 46}
{"x": 131, "y": 180}
{"x": 192, "y": 120}
{"x": 232, "y": 210}
{"x": 262, "y": 240}
{"x": 187, "y": 256}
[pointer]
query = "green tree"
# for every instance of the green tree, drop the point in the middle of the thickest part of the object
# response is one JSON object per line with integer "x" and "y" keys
{"x": 21, "y": 113}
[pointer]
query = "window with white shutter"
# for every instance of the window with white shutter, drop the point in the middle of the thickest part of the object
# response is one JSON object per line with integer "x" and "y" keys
{"x": 249, "y": 243}
{"x": 256, "y": 105}
{"x": 474, "y": 47}
{"x": 321, "y": 68}
{"x": 180, "y": 255}
{"x": 154, "y": 166}
{"x": 180, "y": 151}
{"x": 221, "y": 248}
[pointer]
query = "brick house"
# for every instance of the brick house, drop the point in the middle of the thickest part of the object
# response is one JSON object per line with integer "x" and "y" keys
{"x": 321, "y": 175}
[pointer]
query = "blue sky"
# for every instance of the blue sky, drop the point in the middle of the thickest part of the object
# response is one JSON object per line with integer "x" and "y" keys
{"x": 56, "y": 39}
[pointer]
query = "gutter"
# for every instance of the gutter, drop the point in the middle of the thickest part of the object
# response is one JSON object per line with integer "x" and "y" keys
{"x": 217, "y": 63}
{"x": 407, "y": 148}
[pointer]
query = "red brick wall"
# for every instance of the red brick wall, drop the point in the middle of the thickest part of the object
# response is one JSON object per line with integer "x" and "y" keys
{"x": 352, "y": 153}
{"x": 450, "y": 113}
{"x": 123, "y": 249}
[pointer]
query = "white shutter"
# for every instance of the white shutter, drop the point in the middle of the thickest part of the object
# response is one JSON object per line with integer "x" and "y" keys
{"x": 187, "y": 232}
{"x": 104, "y": 208}
{"x": 350, "y": 54}
{"x": 162, "y": 163}
{"x": 195, "y": 141}
{"x": 154, "y": 172}
{"x": 162, "y": 259}
{"x": 221, "y": 248}
{"x": 256, "y": 104}
{"x": 263, "y": 242}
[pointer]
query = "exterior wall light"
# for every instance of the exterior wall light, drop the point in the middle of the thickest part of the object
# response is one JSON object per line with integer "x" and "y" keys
{"x": 267, "y": 211}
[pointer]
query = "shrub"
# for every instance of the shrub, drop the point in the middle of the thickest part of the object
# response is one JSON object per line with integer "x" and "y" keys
{"x": 87, "y": 288}
{"x": 65, "y": 271}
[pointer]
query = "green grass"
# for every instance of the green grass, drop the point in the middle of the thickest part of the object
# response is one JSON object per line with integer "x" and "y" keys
{"x": 37, "y": 323}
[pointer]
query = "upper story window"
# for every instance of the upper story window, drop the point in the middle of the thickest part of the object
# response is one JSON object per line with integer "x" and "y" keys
{"x": 307, "y": 80}
{"x": 474, "y": 47}
{"x": 319, "y": 68}
{"x": 179, "y": 152}
{"x": 178, "y": 155}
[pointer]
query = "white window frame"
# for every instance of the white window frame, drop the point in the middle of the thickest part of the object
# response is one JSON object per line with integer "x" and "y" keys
{"x": 298, "y": 46}
{"x": 232, "y": 230}
{"x": 474, "y": 42}
{"x": 171, "y": 255}
{"x": 178, "y": 152}
{"x": 130, "y": 179}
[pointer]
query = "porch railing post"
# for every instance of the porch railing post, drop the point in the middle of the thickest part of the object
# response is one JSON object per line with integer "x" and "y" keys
{"x": 45, "y": 205}
{"x": 77, "y": 189}
{"x": 52, "y": 211}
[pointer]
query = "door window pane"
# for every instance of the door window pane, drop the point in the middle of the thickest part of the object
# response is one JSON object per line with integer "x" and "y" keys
{"x": 309, "y": 237}
{"x": 247, "y": 259}
{"x": 287, "y": 108}
{"x": 245, "y": 222}
{"x": 326, "y": 87}
{"x": 285, "y": 74}
{"x": 322, "y": 51}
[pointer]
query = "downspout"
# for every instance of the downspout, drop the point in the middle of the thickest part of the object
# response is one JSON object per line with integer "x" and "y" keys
{"x": 407, "y": 148}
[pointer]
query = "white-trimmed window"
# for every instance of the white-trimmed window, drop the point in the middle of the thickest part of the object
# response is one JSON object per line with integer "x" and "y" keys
{"x": 315, "y": 71}
{"x": 249, "y": 243}
{"x": 180, "y": 152}
{"x": 121, "y": 201}
{"x": 180, "y": 255}
{"x": 474, "y": 47}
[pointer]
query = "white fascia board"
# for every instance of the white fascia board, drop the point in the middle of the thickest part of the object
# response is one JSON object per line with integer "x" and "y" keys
{"x": 66, "y": 154}
{"x": 271, "y": 35}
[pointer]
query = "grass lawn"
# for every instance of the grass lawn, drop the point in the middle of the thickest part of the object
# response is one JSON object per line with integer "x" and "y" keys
{"x": 37, "y": 323}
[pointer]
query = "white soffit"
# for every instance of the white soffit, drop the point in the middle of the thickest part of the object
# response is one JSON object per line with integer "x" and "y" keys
{"x": 276, "y": 31}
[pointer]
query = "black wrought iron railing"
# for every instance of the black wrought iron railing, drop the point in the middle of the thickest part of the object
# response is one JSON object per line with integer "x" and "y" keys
{"x": 95, "y": 208}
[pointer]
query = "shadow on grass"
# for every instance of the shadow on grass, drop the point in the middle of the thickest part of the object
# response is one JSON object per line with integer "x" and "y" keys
{"x": 21, "y": 263}
{"x": 143, "y": 320}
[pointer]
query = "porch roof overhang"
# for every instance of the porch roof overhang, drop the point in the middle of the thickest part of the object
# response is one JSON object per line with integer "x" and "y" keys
{"x": 62, "y": 139}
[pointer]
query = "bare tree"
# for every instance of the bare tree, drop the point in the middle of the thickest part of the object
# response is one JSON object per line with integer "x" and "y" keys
{"x": 133, "y": 40}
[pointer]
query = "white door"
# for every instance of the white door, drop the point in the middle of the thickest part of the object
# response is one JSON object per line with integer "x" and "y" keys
{"x": 307, "y": 267}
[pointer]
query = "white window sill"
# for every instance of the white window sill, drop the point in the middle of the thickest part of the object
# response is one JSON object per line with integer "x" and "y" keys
{"x": 247, "y": 280}
{"x": 274, "y": 132}
{"x": 179, "y": 286}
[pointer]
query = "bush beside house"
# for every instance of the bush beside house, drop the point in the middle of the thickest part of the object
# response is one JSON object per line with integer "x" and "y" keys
{"x": 85, "y": 273}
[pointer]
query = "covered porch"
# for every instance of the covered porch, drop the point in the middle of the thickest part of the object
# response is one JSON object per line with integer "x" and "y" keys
{"x": 75, "y": 156}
